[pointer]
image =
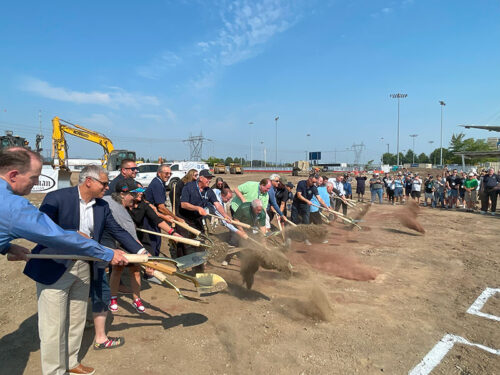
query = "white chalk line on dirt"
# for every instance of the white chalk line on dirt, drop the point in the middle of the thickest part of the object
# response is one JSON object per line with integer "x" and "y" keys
{"x": 475, "y": 308}
{"x": 436, "y": 355}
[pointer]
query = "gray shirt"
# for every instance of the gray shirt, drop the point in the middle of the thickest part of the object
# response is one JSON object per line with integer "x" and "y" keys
{"x": 122, "y": 217}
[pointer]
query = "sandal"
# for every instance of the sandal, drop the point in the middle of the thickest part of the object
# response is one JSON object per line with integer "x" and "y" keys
{"x": 110, "y": 343}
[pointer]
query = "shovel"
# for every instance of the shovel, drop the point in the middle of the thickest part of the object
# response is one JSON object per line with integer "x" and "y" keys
{"x": 235, "y": 222}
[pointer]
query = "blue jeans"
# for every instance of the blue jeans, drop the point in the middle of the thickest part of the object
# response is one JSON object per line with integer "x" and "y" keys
{"x": 379, "y": 192}
{"x": 300, "y": 214}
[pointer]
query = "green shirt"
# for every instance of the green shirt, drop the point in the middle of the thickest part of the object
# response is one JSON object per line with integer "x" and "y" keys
{"x": 250, "y": 191}
{"x": 245, "y": 214}
{"x": 471, "y": 184}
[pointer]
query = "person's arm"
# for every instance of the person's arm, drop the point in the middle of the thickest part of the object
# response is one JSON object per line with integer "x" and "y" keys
{"x": 239, "y": 195}
{"x": 121, "y": 235}
{"x": 36, "y": 226}
{"x": 274, "y": 204}
{"x": 219, "y": 208}
{"x": 190, "y": 207}
{"x": 303, "y": 199}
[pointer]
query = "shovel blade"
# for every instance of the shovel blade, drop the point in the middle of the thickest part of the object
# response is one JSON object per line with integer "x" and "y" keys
{"x": 210, "y": 283}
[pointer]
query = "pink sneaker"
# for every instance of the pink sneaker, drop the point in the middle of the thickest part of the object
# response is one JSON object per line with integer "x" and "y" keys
{"x": 138, "y": 305}
{"x": 113, "y": 305}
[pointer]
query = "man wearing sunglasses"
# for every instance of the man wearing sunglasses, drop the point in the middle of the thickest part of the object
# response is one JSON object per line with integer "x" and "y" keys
{"x": 63, "y": 286}
{"x": 128, "y": 169}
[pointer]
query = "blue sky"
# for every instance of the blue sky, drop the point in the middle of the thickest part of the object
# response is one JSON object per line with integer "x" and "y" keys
{"x": 149, "y": 74}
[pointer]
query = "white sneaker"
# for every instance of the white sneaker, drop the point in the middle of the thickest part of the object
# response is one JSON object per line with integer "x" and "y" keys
{"x": 224, "y": 264}
{"x": 482, "y": 212}
{"x": 324, "y": 241}
{"x": 308, "y": 243}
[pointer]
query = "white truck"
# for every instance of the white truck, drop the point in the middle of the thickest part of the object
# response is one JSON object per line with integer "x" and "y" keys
{"x": 147, "y": 171}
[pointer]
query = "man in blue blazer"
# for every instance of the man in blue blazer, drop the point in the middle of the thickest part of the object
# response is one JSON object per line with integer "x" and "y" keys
{"x": 63, "y": 286}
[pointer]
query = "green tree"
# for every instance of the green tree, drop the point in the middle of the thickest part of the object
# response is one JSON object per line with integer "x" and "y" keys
{"x": 228, "y": 160}
{"x": 212, "y": 160}
{"x": 389, "y": 158}
{"x": 408, "y": 158}
{"x": 459, "y": 143}
{"x": 422, "y": 158}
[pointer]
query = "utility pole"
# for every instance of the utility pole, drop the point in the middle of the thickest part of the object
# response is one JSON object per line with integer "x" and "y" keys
{"x": 263, "y": 152}
{"x": 441, "y": 146}
{"x": 398, "y": 96}
{"x": 251, "y": 141}
{"x": 276, "y": 140}
{"x": 414, "y": 136}
{"x": 431, "y": 142}
{"x": 307, "y": 146}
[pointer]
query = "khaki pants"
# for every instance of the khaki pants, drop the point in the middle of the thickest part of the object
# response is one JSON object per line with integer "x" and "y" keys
{"x": 62, "y": 310}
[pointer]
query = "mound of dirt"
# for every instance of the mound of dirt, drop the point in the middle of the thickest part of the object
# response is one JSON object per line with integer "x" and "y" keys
{"x": 311, "y": 232}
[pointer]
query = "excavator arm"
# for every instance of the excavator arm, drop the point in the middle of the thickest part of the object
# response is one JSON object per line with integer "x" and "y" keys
{"x": 60, "y": 147}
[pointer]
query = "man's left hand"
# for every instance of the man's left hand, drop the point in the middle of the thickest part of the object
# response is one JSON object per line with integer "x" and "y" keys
{"x": 17, "y": 253}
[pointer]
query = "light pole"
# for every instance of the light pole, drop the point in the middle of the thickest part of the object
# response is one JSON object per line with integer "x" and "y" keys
{"x": 431, "y": 142}
{"x": 263, "y": 152}
{"x": 307, "y": 145}
{"x": 441, "y": 146}
{"x": 398, "y": 96}
{"x": 414, "y": 136}
{"x": 276, "y": 140}
{"x": 251, "y": 142}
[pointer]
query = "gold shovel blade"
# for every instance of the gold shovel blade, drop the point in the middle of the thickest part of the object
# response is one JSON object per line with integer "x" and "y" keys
{"x": 210, "y": 283}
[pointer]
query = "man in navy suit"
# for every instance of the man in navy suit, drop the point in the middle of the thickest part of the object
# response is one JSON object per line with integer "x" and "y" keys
{"x": 63, "y": 286}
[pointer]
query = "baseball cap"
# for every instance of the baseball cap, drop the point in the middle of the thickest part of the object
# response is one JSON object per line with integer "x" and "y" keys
{"x": 205, "y": 173}
{"x": 283, "y": 180}
{"x": 129, "y": 186}
{"x": 290, "y": 185}
{"x": 471, "y": 174}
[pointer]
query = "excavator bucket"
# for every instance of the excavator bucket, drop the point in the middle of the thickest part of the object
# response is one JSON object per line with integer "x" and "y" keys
{"x": 63, "y": 179}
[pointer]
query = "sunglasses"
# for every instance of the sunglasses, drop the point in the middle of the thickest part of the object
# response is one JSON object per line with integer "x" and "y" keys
{"x": 104, "y": 184}
{"x": 132, "y": 168}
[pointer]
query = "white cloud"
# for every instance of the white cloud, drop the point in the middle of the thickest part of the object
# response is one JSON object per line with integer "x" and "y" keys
{"x": 167, "y": 114}
{"x": 115, "y": 97}
{"x": 98, "y": 120}
{"x": 159, "y": 65}
{"x": 247, "y": 25}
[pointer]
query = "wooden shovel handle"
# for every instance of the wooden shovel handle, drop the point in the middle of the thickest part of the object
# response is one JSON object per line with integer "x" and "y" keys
{"x": 189, "y": 228}
{"x": 187, "y": 241}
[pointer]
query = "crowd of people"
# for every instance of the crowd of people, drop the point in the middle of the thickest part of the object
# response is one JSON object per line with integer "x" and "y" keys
{"x": 471, "y": 191}
{"x": 104, "y": 219}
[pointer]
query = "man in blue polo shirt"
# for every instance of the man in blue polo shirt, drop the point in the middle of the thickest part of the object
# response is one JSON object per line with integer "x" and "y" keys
{"x": 196, "y": 199}
{"x": 156, "y": 194}
{"x": 306, "y": 189}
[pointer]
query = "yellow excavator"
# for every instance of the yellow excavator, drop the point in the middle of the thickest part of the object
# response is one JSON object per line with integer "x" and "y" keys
{"x": 111, "y": 159}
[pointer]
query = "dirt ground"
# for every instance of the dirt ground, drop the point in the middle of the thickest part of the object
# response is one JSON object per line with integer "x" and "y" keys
{"x": 370, "y": 301}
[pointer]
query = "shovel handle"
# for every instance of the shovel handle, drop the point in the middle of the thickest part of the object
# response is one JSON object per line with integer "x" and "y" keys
{"x": 187, "y": 241}
{"x": 290, "y": 222}
{"x": 235, "y": 222}
{"x": 189, "y": 228}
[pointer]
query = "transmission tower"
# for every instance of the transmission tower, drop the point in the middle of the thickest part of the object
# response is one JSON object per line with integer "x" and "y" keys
{"x": 357, "y": 149}
{"x": 196, "y": 145}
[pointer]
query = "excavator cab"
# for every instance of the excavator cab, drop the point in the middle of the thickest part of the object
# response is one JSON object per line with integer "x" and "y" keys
{"x": 115, "y": 159}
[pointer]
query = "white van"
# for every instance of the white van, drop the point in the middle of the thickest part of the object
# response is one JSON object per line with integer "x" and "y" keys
{"x": 180, "y": 168}
{"x": 147, "y": 171}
